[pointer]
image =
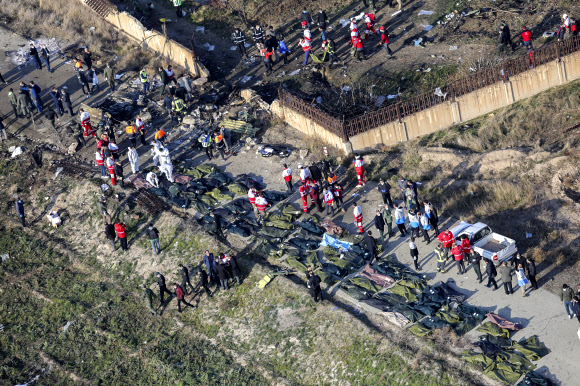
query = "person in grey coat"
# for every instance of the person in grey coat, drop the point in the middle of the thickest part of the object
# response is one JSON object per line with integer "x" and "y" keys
{"x": 506, "y": 277}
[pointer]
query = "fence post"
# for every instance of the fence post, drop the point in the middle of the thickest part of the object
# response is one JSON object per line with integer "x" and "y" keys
{"x": 558, "y": 58}
{"x": 452, "y": 92}
{"x": 343, "y": 129}
{"x": 398, "y": 108}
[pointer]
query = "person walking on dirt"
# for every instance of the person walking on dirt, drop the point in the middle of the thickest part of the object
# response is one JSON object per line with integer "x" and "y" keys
{"x": 517, "y": 260}
{"x": 359, "y": 48}
{"x": 82, "y": 78}
{"x": 209, "y": 262}
{"x": 33, "y": 52}
{"x": 35, "y": 96}
{"x": 164, "y": 79}
{"x": 566, "y": 297}
{"x": 51, "y": 117}
{"x": 305, "y": 19}
{"x": 220, "y": 144}
{"x": 329, "y": 201}
{"x": 414, "y": 223}
{"x": 414, "y": 253}
{"x": 162, "y": 288}
{"x": 133, "y": 157}
{"x": 121, "y": 230}
{"x": 474, "y": 261}
{"x": 321, "y": 19}
{"x": 522, "y": 279}
{"x": 100, "y": 161}
{"x": 236, "y": 271}
{"x": 184, "y": 272}
{"x": 505, "y": 38}
{"x": 402, "y": 185}
{"x": 287, "y": 175}
{"x": 110, "y": 164}
{"x": 109, "y": 75}
{"x": 206, "y": 143}
{"x": 45, "y": 55}
{"x": 20, "y": 212}
{"x": 358, "y": 217}
{"x": 306, "y": 47}
{"x": 3, "y": 135}
{"x": 178, "y": 9}
{"x": 425, "y": 225}
{"x": 153, "y": 235}
{"x": 23, "y": 104}
{"x": 66, "y": 102}
{"x": 531, "y": 271}
{"x": 441, "y": 259}
{"x": 203, "y": 282}
{"x": 283, "y": 49}
{"x": 388, "y": 218}
{"x": 385, "y": 190}
{"x": 57, "y": 100}
{"x": 315, "y": 196}
{"x": 380, "y": 225}
{"x": 385, "y": 41}
{"x": 111, "y": 235}
{"x": 140, "y": 126}
{"x": 527, "y": 38}
{"x": 152, "y": 179}
{"x": 314, "y": 285}
{"x": 261, "y": 204}
{"x": 222, "y": 274}
{"x": 303, "y": 190}
{"x": 217, "y": 219}
{"x": 147, "y": 295}
{"x": 227, "y": 138}
{"x": 13, "y": 103}
{"x": 505, "y": 273}
{"x": 371, "y": 246}
{"x": 88, "y": 58}
{"x": 258, "y": 34}
{"x": 466, "y": 245}
{"x": 491, "y": 274}
{"x": 144, "y": 78}
{"x": 359, "y": 167}
{"x": 240, "y": 41}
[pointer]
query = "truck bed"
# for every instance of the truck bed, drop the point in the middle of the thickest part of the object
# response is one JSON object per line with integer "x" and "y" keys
{"x": 493, "y": 246}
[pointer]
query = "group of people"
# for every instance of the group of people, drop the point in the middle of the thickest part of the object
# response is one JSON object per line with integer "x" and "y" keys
{"x": 219, "y": 270}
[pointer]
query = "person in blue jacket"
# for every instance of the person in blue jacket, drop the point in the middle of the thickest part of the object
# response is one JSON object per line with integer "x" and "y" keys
{"x": 283, "y": 49}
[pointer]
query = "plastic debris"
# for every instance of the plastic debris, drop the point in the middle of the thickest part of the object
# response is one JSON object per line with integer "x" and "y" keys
{"x": 247, "y": 45}
{"x": 418, "y": 42}
{"x": 440, "y": 93}
{"x": 396, "y": 13}
{"x": 428, "y": 28}
{"x": 119, "y": 76}
{"x": 346, "y": 88}
{"x": 295, "y": 72}
{"x": 380, "y": 101}
{"x": 319, "y": 99}
{"x": 423, "y": 12}
{"x": 200, "y": 29}
{"x": 548, "y": 34}
{"x": 209, "y": 47}
{"x": 17, "y": 152}
{"x": 104, "y": 187}
{"x": 233, "y": 48}
{"x": 245, "y": 79}
{"x": 5, "y": 257}
{"x": 66, "y": 326}
{"x": 452, "y": 48}
{"x": 528, "y": 235}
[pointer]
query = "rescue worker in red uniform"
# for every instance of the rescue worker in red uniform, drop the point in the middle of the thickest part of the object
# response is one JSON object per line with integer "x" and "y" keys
{"x": 261, "y": 204}
{"x": 527, "y": 38}
{"x": 448, "y": 240}
{"x": 252, "y": 197}
{"x": 359, "y": 47}
{"x": 458, "y": 256}
{"x": 329, "y": 201}
{"x": 121, "y": 230}
{"x": 369, "y": 19}
{"x": 86, "y": 123}
{"x": 287, "y": 174}
{"x": 304, "y": 174}
{"x": 358, "y": 217}
{"x": 466, "y": 245}
{"x": 315, "y": 195}
{"x": 359, "y": 167}
{"x": 111, "y": 167}
{"x": 337, "y": 191}
{"x": 303, "y": 189}
{"x": 385, "y": 41}
{"x": 101, "y": 164}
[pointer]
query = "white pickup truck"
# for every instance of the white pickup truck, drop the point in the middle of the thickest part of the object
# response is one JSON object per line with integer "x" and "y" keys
{"x": 484, "y": 241}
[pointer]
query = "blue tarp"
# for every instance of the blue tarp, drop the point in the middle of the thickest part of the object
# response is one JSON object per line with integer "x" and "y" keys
{"x": 329, "y": 240}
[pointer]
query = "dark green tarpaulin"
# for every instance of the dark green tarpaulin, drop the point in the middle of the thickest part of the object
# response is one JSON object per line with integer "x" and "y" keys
{"x": 289, "y": 209}
{"x": 278, "y": 216}
{"x": 465, "y": 326}
{"x": 419, "y": 330}
{"x": 504, "y": 372}
{"x": 531, "y": 347}
{"x": 355, "y": 291}
{"x": 472, "y": 311}
{"x": 274, "y": 232}
{"x": 366, "y": 284}
{"x": 494, "y": 329}
{"x": 237, "y": 189}
{"x": 280, "y": 224}
{"x": 311, "y": 227}
{"x": 218, "y": 195}
{"x": 303, "y": 244}
{"x": 407, "y": 312}
{"x": 434, "y": 322}
{"x": 520, "y": 362}
{"x": 404, "y": 291}
{"x": 477, "y": 359}
{"x": 294, "y": 263}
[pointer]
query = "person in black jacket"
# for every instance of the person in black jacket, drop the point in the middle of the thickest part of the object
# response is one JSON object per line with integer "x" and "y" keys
{"x": 371, "y": 245}
{"x": 153, "y": 234}
{"x": 272, "y": 45}
{"x": 305, "y": 19}
{"x": 185, "y": 278}
{"x": 321, "y": 18}
{"x": 258, "y": 34}
{"x": 119, "y": 173}
{"x": 218, "y": 225}
{"x": 51, "y": 117}
{"x": 491, "y": 274}
{"x": 240, "y": 41}
{"x": 531, "y": 268}
{"x": 517, "y": 260}
{"x": 475, "y": 263}
{"x": 385, "y": 189}
{"x": 162, "y": 288}
{"x": 380, "y": 225}
{"x": 204, "y": 281}
{"x": 505, "y": 39}
{"x": 34, "y": 54}
{"x": 111, "y": 235}
{"x": 88, "y": 58}
{"x": 314, "y": 285}
{"x": 222, "y": 274}
{"x": 66, "y": 102}
{"x": 83, "y": 82}
{"x": 236, "y": 272}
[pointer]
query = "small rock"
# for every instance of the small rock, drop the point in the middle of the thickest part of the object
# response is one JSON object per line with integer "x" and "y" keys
{"x": 72, "y": 148}
{"x": 303, "y": 153}
{"x": 199, "y": 81}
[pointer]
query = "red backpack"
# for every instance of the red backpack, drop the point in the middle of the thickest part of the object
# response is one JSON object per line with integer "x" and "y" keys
{"x": 372, "y": 17}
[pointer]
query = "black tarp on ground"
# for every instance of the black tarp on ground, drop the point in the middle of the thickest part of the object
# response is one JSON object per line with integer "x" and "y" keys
{"x": 240, "y": 206}
{"x": 303, "y": 233}
{"x": 250, "y": 182}
{"x": 311, "y": 226}
{"x": 533, "y": 378}
{"x": 377, "y": 303}
{"x": 355, "y": 291}
{"x": 272, "y": 197}
{"x": 307, "y": 245}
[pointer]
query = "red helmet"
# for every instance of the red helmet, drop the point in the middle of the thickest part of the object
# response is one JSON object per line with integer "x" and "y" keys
{"x": 382, "y": 28}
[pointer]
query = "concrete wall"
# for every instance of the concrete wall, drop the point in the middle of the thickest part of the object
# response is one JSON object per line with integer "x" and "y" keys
{"x": 156, "y": 42}
{"x": 306, "y": 126}
{"x": 471, "y": 105}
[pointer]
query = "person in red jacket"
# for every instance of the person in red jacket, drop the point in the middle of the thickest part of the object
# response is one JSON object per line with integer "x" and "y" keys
{"x": 458, "y": 256}
{"x": 121, "y": 230}
{"x": 252, "y": 197}
{"x": 111, "y": 167}
{"x": 448, "y": 240}
{"x": 466, "y": 245}
{"x": 527, "y": 38}
{"x": 358, "y": 217}
{"x": 385, "y": 40}
{"x": 261, "y": 204}
{"x": 337, "y": 190}
{"x": 303, "y": 189}
{"x": 360, "y": 48}
{"x": 287, "y": 174}
{"x": 180, "y": 294}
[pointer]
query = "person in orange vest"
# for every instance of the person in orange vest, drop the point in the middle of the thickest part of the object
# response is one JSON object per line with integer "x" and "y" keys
{"x": 448, "y": 240}
{"x": 287, "y": 175}
{"x": 329, "y": 200}
{"x": 358, "y": 217}
{"x": 141, "y": 129}
{"x": 458, "y": 256}
{"x": 86, "y": 123}
{"x": 101, "y": 163}
{"x": 220, "y": 143}
{"x": 303, "y": 189}
{"x": 331, "y": 178}
{"x": 121, "y": 230}
{"x": 261, "y": 204}
{"x": 527, "y": 38}
{"x": 359, "y": 167}
{"x": 132, "y": 133}
{"x": 160, "y": 136}
{"x": 252, "y": 197}
{"x": 111, "y": 167}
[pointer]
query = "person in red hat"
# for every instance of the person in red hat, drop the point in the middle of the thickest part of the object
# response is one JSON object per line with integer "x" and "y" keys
{"x": 527, "y": 38}
{"x": 385, "y": 40}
